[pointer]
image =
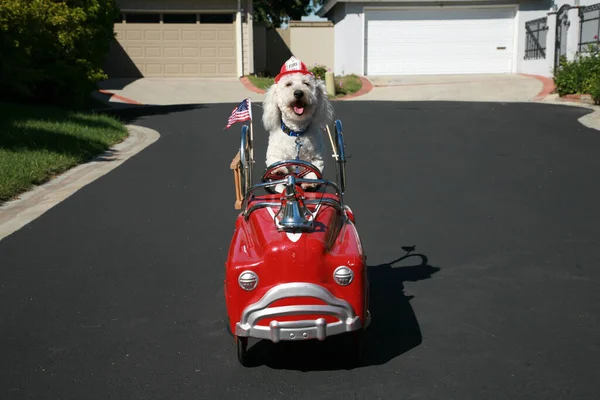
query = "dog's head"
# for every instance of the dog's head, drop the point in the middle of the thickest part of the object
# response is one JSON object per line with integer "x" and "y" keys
{"x": 297, "y": 99}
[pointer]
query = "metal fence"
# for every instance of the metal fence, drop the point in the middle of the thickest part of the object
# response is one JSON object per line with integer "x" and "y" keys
{"x": 535, "y": 35}
{"x": 590, "y": 26}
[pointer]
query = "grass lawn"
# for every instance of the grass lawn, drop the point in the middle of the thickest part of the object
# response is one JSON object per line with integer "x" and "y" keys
{"x": 261, "y": 82}
{"x": 344, "y": 85}
{"x": 347, "y": 85}
{"x": 38, "y": 142}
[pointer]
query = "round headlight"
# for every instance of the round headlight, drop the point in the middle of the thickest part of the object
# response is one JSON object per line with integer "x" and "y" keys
{"x": 248, "y": 280}
{"x": 343, "y": 276}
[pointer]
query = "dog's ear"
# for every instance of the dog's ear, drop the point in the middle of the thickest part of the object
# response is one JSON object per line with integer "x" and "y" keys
{"x": 271, "y": 114}
{"x": 324, "y": 112}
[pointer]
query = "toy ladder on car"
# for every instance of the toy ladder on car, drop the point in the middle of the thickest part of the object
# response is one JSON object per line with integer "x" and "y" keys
{"x": 241, "y": 165}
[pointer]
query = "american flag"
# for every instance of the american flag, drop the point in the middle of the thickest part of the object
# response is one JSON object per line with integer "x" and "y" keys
{"x": 243, "y": 112}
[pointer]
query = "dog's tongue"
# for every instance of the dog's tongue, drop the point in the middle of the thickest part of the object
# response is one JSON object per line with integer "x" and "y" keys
{"x": 299, "y": 110}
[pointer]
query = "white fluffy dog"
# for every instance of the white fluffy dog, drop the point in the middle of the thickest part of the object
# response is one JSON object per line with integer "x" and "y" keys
{"x": 296, "y": 108}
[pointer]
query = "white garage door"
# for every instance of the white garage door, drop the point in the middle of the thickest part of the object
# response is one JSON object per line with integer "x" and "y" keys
{"x": 439, "y": 41}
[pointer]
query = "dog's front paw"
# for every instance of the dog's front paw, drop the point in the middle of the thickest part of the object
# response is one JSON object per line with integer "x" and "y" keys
{"x": 280, "y": 171}
{"x": 309, "y": 186}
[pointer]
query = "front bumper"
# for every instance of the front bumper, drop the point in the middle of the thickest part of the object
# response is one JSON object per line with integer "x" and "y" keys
{"x": 298, "y": 330}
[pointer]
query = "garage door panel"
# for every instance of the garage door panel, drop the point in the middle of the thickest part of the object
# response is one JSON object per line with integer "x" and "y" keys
{"x": 134, "y": 35}
{"x": 191, "y": 52}
{"x": 439, "y": 41}
{"x": 226, "y": 52}
{"x": 180, "y": 49}
{"x": 149, "y": 52}
{"x": 443, "y": 14}
{"x": 150, "y": 35}
{"x": 172, "y": 52}
{"x": 190, "y": 35}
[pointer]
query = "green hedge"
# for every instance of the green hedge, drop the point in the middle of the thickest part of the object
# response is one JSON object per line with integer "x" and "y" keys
{"x": 579, "y": 76}
{"x": 52, "y": 50}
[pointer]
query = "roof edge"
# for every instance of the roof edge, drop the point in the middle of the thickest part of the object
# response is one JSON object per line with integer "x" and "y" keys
{"x": 326, "y": 8}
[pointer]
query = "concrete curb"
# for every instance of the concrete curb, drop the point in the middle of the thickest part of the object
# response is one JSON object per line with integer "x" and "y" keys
{"x": 248, "y": 85}
{"x": 366, "y": 87}
{"x": 547, "y": 86}
{"x": 120, "y": 98}
{"x": 30, "y": 205}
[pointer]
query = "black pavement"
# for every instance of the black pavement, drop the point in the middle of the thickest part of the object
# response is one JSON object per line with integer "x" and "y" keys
{"x": 117, "y": 292}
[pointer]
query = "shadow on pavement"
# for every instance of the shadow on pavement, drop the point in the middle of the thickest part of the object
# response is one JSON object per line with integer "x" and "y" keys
{"x": 394, "y": 328}
{"x": 130, "y": 113}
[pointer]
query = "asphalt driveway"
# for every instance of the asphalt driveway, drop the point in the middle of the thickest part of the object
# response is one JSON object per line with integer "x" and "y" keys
{"x": 116, "y": 293}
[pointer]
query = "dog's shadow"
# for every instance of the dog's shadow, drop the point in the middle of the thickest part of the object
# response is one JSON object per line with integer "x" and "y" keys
{"x": 393, "y": 331}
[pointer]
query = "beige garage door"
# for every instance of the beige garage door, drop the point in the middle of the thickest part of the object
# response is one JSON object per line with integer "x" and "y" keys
{"x": 186, "y": 50}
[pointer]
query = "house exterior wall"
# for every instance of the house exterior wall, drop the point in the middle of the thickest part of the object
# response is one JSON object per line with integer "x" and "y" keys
{"x": 532, "y": 10}
{"x": 245, "y": 48}
{"x": 529, "y": 11}
{"x": 178, "y": 5}
{"x": 348, "y": 18}
{"x": 304, "y": 35}
{"x": 348, "y": 38}
{"x": 273, "y": 47}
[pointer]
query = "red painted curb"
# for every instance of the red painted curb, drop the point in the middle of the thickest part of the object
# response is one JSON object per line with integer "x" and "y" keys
{"x": 547, "y": 88}
{"x": 577, "y": 97}
{"x": 367, "y": 86}
{"x": 246, "y": 82}
{"x": 121, "y": 98}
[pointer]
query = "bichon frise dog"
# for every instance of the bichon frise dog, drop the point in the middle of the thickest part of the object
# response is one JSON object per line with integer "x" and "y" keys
{"x": 295, "y": 111}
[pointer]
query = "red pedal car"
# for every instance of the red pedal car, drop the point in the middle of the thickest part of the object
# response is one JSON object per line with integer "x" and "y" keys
{"x": 296, "y": 269}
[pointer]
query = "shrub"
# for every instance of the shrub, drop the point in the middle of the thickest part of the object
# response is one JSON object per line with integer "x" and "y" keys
{"x": 319, "y": 71}
{"x": 578, "y": 76}
{"x": 595, "y": 91}
{"x": 52, "y": 50}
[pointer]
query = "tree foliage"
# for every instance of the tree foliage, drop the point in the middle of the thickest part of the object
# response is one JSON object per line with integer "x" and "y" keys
{"x": 274, "y": 13}
{"x": 53, "y": 50}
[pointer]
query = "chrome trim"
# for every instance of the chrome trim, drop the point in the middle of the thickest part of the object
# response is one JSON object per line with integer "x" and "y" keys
{"x": 247, "y": 272}
{"x": 350, "y": 274}
{"x": 297, "y": 330}
{"x": 327, "y": 201}
{"x": 294, "y": 214}
{"x": 245, "y": 158}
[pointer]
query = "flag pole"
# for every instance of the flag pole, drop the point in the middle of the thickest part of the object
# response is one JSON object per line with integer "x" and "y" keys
{"x": 251, "y": 131}
{"x": 332, "y": 145}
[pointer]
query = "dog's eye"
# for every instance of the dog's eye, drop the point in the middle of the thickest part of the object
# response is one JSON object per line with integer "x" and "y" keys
{"x": 307, "y": 84}
{"x": 288, "y": 84}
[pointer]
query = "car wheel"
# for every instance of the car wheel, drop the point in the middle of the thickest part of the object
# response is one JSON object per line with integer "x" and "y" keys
{"x": 242, "y": 349}
{"x": 356, "y": 347}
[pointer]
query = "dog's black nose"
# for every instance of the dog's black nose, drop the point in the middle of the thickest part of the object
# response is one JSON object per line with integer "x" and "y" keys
{"x": 298, "y": 94}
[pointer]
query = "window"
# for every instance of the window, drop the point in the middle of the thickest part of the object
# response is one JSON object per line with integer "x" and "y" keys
{"x": 216, "y": 18}
{"x": 590, "y": 26}
{"x": 535, "y": 38}
{"x": 142, "y": 18}
{"x": 179, "y": 18}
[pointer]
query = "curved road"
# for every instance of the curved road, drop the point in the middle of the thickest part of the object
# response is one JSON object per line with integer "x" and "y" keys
{"x": 116, "y": 293}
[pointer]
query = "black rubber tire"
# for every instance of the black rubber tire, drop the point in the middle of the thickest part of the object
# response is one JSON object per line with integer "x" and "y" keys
{"x": 242, "y": 350}
{"x": 356, "y": 343}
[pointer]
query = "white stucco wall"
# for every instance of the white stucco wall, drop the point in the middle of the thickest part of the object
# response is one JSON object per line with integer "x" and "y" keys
{"x": 349, "y": 31}
{"x": 348, "y": 36}
{"x": 529, "y": 11}
{"x": 533, "y": 10}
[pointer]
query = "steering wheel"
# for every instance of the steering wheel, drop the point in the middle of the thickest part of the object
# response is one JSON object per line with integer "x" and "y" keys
{"x": 298, "y": 168}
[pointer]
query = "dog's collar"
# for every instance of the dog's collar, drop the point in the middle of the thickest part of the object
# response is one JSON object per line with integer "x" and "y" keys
{"x": 290, "y": 132}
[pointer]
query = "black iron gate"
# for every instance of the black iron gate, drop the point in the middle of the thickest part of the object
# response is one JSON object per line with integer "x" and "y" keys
{"x": 562, "y": 25}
